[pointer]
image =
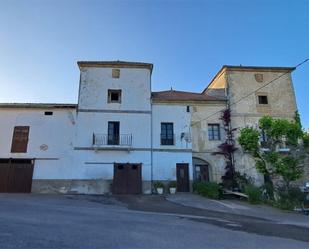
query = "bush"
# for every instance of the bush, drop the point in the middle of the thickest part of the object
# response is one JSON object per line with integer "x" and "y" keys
{"x": 207, "y": 189}
{"x": 158, "y": 185}
{"x": 172, "y": 184}
{"x": 289, "y": 199}
{"x": 243, "y": 180}
{"x": 267, "y": 191}
{"x": 306, "y": 140}
{"x": 254, "y": 194}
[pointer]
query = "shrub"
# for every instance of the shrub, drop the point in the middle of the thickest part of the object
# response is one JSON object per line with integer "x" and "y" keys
{"x": 289, "y": 199}
{"x": 267, "y": 191}
{"x": 254, "y": 194}
{"x": 243, "y": 180}
{"x": 172, "y": 184}
{"x": 306, "y": 140}
{"x": 207, "y": 189}
{"x": 158, "y": 185}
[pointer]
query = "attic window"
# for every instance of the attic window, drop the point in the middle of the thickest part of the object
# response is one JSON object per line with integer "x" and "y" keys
{"x": 263, "y": 100}
{"x": 48, "y": 113}
{"x": 114, "y": 96}
{"x": 115, "y": 73}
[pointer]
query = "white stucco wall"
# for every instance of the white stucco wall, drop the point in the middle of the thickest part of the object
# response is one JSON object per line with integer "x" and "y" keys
{"x": 55, "y": 132}
{"x": 134, "y": 83}
{"x": 138, "y": 125}
{"x": 165, "y": 157}
{"x": 171, "y": 113}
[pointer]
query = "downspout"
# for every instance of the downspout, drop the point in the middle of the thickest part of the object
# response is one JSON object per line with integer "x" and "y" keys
{"x": 151, "y": 148}
{"x": 151, "y": 140}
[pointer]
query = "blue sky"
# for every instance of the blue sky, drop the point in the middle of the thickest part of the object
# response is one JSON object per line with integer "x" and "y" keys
{"x": 188, "y": 42}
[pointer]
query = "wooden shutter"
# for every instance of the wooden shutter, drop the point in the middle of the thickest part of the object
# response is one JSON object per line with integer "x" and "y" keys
{"x": 20, "y": 139}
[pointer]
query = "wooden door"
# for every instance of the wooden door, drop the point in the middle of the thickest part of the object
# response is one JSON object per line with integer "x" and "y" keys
{"x": 202, "y": 173}
{"x": 127, "y": 179}
{"x": 183, "y": 177}
{"x": 134, "y": 179}
{"x": 16, "y": 176}
{"x": 4, "y": 175}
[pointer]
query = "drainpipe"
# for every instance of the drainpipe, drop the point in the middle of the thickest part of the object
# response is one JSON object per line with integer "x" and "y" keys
{"x": 151, "y": 142}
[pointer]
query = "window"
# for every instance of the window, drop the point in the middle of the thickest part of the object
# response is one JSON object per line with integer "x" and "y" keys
{"x": 20, "y": 139}
{"x": 115, "y": 73}
{"x": 188, "y": 108}
{"x": 114, "y": 96}
{"x": 48, "y": 113}
{"x": 167, "y": 134}
{"x": 113, "y": 133}
{"x": 263, "y": 100}
{"x": 213, "y": 132}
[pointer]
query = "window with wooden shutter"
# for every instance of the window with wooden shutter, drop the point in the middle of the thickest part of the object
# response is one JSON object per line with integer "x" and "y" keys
{"x": 20, "y": 139}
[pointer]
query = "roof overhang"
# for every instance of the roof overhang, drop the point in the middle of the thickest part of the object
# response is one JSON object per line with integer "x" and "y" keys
{"x": 115, "y": 64}
{"x": 38, "y": 105}
{"x": 250, "y": 69}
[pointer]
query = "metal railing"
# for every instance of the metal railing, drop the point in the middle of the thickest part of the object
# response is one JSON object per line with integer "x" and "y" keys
{"x": 111, "y": 140}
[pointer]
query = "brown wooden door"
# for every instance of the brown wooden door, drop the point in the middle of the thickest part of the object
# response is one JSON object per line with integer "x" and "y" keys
{"x": 182, "y": 177}
{"x": 127, "y": 179}
{"x": 4, "y": 175}
{"x": 16, "y": 176}
{"x": 203, "y": 173}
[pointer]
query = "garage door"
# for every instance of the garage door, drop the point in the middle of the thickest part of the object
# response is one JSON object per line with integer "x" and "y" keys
{"x": 127, "y": 178}
{"x": 16, "y": 175}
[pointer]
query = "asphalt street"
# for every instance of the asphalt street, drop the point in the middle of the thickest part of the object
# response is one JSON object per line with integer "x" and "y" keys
{"x": 60, "y": 221}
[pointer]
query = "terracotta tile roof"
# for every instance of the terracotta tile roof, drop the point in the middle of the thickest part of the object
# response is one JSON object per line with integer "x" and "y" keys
{"x": 173, "y": 95}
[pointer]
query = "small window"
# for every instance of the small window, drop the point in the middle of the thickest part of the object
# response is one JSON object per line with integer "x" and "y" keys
{"x": 213, "y": 131}
{"x": 167, "y": 134}
{"x": 20, "y": 139}
{"x": 115, "y": 73}
{"x": 263, "y": 100}
{"x": 114, "y": 96}
{"x": 48, "y": 113}
{"x": 188, "y": 108}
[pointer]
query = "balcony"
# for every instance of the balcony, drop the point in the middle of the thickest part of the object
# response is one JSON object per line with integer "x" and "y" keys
{"x": 111, "y": 141}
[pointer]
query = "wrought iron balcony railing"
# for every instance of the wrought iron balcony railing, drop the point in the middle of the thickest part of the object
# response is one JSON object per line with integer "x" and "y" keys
{"x": 112, "y": 140}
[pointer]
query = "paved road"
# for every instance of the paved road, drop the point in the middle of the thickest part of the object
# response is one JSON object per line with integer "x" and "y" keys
{"x": 53, "y": 221}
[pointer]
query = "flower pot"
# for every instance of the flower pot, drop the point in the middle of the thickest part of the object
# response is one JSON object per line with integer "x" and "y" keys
{"x": 172, "y": 191}
{"x": 160, "y": 191}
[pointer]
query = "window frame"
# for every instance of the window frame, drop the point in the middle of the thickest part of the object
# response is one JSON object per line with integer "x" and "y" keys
{"x": 167, "y": 133}
{"x": 261, "y": 98}
{"x": 20, "y": 139}
{"x": 115, "y": 73}
{"x": 113, "y": 136}
{"x": 211, "y": 132}
{"x": 113, "y": 91}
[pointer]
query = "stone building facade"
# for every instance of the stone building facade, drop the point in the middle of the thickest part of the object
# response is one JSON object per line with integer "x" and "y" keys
{"x": 252, "y": 93}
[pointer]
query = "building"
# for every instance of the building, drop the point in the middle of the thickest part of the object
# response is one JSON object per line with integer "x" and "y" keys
{"x": 121, "y": 137}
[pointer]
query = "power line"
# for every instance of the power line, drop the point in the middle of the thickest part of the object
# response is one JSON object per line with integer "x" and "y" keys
{"x": 280, "y": 76}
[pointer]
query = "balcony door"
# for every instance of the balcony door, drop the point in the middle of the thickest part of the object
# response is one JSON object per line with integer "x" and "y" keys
{"x": 113, "y": 133}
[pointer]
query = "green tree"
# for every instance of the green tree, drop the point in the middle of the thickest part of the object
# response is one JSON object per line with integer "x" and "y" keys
{"x": 280, "y": 153}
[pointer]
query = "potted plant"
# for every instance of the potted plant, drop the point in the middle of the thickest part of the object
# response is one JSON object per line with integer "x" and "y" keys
{"x": 172, "y": 186}
{"x": 159, "y": 186}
